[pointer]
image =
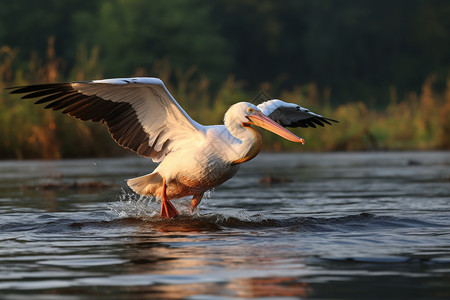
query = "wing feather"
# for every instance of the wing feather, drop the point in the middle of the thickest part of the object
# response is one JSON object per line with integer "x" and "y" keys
{"x": 140, "y": 113}
{"x": 33, "y": 88}
{"x": 292, "y": 115}
{"x": 63, "y": 102}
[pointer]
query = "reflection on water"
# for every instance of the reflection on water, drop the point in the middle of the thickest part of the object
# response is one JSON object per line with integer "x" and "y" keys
{"x": 356, "y": 226}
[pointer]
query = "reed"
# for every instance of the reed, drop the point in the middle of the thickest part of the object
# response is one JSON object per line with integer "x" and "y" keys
{"x": 420, "y": 121}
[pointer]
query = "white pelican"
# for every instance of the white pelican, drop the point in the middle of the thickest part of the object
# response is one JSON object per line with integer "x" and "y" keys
{"x": 142, "y": 115}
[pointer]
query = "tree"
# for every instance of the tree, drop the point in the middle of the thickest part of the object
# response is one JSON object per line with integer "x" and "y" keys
{"x": 134, "y": 34}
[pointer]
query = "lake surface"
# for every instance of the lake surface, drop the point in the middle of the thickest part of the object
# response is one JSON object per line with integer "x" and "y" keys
{"x": 333, "y": 226}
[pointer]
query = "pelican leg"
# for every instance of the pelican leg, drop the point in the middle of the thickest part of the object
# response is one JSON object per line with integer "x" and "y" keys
{"x": 167, "y": 208}
{"x": 196, "y": 201}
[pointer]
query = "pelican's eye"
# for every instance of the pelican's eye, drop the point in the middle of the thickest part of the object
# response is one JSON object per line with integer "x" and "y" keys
{"x": 250, "y": 110}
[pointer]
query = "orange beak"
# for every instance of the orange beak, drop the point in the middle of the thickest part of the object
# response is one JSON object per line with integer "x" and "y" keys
{"x": 261, "y": 120}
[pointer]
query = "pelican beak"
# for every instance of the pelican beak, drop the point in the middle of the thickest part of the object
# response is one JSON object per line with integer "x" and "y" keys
{"x": 261, "y": 120}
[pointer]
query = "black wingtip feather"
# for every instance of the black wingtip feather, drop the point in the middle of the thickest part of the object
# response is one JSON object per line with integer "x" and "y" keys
{"x": 38, "y": 87}
{"x": 317, "y": 121}
{"x": 311, "y": 124}
{"x": 325, "y": 120}
{"x": 51, "y": 97}
{"x": 328, "y": 120}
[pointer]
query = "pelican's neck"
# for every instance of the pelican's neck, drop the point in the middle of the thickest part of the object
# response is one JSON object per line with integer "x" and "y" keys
{"x": 250, "y": 144}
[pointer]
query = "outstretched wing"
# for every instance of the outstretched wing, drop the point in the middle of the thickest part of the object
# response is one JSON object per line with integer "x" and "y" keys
{"x": 292, "y": 115}
{"x": 140, "y": 113}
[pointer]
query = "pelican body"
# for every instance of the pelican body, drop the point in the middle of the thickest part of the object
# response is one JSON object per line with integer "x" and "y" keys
{"x": 142, "y": 116}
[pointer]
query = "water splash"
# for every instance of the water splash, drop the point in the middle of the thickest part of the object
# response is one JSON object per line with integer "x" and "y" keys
{"x": 132, "y": 205}
{"x": 206, "y": 200}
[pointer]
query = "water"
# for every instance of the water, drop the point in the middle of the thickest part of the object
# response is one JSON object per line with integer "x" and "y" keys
{"x": 338, "y": 226}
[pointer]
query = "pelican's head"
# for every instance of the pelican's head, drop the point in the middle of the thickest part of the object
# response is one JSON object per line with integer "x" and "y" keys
{"x": 247, "y": 114}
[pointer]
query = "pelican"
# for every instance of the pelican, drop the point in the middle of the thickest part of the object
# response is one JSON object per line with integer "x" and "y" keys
{"x": 142, "y": 115}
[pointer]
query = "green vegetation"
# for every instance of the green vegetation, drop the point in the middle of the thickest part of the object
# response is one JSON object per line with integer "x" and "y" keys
{"x": 418, "y": 122}
{"x": 380, "y": 68}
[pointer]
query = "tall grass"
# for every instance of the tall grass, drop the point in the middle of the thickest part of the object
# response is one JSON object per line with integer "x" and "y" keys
{"x": 419, "y": 121}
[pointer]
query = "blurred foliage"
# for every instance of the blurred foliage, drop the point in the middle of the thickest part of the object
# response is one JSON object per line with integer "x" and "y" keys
{"x": 128, "y": 36}
{"x": 356, "y": 49}
{"x": 381, "y": 68}
{"x": 420, "y": 121}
